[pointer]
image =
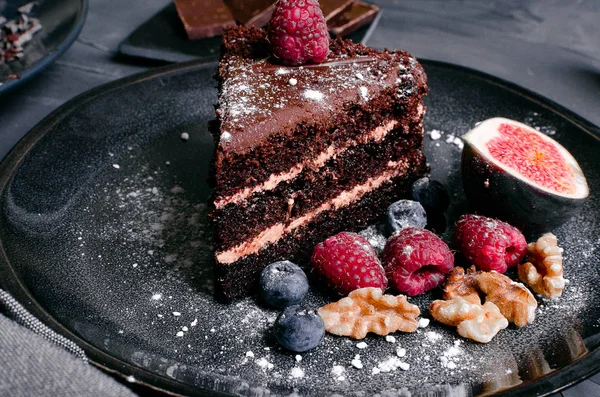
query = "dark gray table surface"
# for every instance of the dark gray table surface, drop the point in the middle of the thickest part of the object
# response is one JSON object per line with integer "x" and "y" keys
{"x": 551, "y": 47}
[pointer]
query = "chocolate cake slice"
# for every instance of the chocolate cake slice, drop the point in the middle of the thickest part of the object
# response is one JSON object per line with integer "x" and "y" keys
{"x": 303, "y": 152}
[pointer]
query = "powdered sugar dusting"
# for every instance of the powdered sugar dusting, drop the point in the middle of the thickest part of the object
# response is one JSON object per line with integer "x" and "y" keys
{"x": 364, "y": 93}
{"x": 435, "y": 134}
{"x": 314, "y": 95}
{"x": 375, "y": 237}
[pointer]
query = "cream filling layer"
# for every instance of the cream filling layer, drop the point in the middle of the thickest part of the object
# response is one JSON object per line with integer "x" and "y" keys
{"x": 376, "y": 135}
{"x": 347, "y": 197}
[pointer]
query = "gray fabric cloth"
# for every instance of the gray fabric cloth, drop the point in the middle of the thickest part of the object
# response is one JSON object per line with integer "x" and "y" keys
{"x": 16, "y": 312}
{"x": 31, "y": 365}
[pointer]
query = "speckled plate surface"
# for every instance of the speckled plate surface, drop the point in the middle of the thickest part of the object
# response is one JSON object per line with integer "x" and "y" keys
{"x": 104, "y": 236}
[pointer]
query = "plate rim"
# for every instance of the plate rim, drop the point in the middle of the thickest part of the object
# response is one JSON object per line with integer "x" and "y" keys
{"x": 553, "y": 382}
{"x": 51, "y": 56}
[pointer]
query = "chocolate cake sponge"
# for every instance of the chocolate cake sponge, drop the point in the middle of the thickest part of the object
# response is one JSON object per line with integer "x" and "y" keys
{"x": 307, "y": 151}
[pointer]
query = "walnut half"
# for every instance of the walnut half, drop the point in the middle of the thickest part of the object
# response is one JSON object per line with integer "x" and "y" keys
{"x": 472, "y": 320}
{"x": 459, "y": 284}
{"x": 544, "y": 271}
{"x": 514, "y": 300}
{"x": 367, "y": 310}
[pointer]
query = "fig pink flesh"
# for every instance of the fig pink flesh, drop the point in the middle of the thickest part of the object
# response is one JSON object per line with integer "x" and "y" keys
{"x": 533, "y": 157}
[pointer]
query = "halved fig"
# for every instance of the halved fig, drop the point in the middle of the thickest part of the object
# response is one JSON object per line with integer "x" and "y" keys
{"x": 517, "y": 174}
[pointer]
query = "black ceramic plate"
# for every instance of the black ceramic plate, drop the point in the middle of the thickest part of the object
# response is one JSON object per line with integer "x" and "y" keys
{"x": 104, "y": 236}
{"x": 163, "y": 38}
{"x": 61, "y": 21}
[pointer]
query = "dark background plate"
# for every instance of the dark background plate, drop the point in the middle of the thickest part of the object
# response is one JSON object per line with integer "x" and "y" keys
{"x": 61, "y": 21}
{"x": 163, "y": 38}
{"x": 103, "y": 236}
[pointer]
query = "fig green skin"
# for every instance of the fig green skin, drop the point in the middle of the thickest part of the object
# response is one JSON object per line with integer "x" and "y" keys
{"x": 511, "y": 199}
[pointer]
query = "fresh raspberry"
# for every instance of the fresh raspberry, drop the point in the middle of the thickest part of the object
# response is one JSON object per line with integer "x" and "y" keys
{"x": 488, "y": 243}
{"x": 348, "y": 262}
{"x": 298, "y": 32}
{"x": 416, "y": 260}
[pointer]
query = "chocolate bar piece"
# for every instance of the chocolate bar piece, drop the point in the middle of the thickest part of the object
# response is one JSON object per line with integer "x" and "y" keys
{"x": 251, "y": 12}
{"x": 204, "y": 18}
{"x": 355, "y": 16}
{"x": 331, "y": 8}
{"x": 258, "y": 12}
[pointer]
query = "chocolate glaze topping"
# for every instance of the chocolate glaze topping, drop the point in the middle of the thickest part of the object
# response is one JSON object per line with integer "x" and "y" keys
{"x": 260, "y": 98}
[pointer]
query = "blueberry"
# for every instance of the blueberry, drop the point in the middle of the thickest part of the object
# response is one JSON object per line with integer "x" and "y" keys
{"x": 405, "y": 213}
{"x": 283, "y": 284}
{"x": 299, "y": 329}
{"x": 431, "y": 194}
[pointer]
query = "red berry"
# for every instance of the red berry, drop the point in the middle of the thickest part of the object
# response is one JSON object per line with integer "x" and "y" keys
{"x": 298, "y": 32}
{"x": 488, "y": 243}
{"x": 416, "y": 260}
{"x": 348, "y": 262}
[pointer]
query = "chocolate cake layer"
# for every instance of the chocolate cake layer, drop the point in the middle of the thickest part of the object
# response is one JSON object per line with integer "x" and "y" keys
{"x": 274, "y": 233}
{"x": 240, "y": 222}
{"x": 267, "y": 109}
{"x": 239, "y": 279}
{"x": 307, "y": 145}
{"x": 336, "y": 149}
